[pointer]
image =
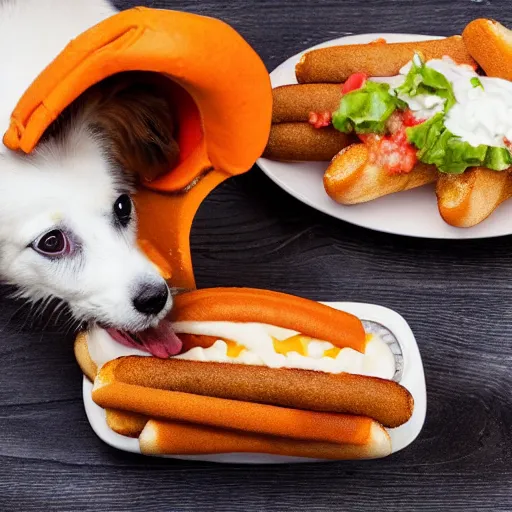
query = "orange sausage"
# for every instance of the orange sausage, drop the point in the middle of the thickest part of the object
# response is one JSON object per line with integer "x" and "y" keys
{"x": 173, "y": 438}
{"x": 109, "y": 392}
{"x": 274, "y": 308}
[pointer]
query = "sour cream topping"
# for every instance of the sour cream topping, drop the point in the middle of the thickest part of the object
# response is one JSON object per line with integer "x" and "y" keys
{"x": 482, "y": 115}
{"x": 256, "y": 338}
{"x": 258, "y": 349}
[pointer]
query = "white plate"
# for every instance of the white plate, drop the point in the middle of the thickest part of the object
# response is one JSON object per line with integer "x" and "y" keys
{"x": 411, "y": 213}
{"x": 412, "y": 378}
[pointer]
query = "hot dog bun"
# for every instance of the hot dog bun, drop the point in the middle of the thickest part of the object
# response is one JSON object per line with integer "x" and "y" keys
{"x": 351, "y": 178}
{"x": 293, "y": 103}
{"x": 467, "y": 199}
{"x": 301, "y": 142}
{"x": 298, "y": 389}
{"x": 173, "y": 438}
{"x": 490, "y": 44}
{"x": 336, "y": 63}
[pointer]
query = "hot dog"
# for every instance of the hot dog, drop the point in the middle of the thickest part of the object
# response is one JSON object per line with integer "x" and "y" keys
{"x": 488, "y": 41}
{"x": 335, "y": 64}
{"x": 172, "y": 438}
{"x": 352, "y": 177}
{"x": 274, "y": 368}
{"x": 433, "y": 119}
{"x": 467, "y": 200}
{"x": 295, "y": 142}
{"x": 294, "y": 103}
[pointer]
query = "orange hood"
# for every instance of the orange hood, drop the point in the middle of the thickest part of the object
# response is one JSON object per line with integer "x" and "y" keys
{"x": 222, "y": 96}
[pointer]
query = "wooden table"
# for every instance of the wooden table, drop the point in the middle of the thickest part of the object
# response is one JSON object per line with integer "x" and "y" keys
{"x": 455, "y": 295}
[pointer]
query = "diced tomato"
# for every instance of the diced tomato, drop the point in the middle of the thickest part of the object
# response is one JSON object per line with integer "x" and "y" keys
{"x": 320, "y": 119}
{"x": 410, "y": 120}
{"x": 353, "y": 82}
{"x": 507, "y": 143}
{"x": 394, "y": 153}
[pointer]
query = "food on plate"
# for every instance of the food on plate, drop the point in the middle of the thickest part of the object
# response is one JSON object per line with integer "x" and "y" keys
{"x": 258, "y": 371}
{"x": 464, "y": 200}
{"x": 353, "y": 176}
{"x": 335, "y": 64}
{"x": 490, "y": 44}
{"x": 432, "y": 118}
{"x": 168, "y": 438}
{"x": 294, "y": 103}
{"x": 302, "y": 142}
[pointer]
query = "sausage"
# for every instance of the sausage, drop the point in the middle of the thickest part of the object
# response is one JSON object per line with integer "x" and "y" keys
{"x": 296, "y": 142}
{"x": 336, "y": 63}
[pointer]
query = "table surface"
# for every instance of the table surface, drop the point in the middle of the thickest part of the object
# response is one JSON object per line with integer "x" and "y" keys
{"x": 454, "y": 294}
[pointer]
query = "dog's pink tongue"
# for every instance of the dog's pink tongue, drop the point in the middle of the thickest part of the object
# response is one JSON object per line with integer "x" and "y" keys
{"x": 159, "y": 341}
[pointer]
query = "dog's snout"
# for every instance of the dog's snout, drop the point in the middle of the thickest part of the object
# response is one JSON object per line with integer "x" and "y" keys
{"x": 151, "y": 298}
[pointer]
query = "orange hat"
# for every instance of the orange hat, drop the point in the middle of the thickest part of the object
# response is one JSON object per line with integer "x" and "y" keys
{"x": 223, "y": 98}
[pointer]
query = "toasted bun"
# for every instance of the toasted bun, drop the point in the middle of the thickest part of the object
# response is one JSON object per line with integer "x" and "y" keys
{"x": 173, "y": 438}
{"x": 301, "y": 142}
{"x": 382, "y": 400}
{"x": 336, "y": 63}
{"x": 83, "y": 358}
{"x": 490, "y": 44}
{"x": 467, "y": 199}
{"x": 352, "y": 179}
{"x": 274, "y": 308}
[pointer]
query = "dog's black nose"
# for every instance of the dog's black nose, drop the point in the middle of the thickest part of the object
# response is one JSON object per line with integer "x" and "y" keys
{"x": 151, "y": 298}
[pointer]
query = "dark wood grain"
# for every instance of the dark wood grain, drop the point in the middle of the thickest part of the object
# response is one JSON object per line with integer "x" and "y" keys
{"x": 455, "y": 295}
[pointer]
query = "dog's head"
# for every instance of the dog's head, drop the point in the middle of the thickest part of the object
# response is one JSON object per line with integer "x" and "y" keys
{"x": 67, "y": 222}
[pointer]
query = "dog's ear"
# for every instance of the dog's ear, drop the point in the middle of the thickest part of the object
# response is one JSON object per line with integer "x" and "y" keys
{"x": 135, "y": 115}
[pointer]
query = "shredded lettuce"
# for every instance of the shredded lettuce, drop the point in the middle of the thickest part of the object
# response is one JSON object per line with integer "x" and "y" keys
{"x": 475, "y": 82}
{"x": 449, "y": 153}
{"x": 422, "y": 79}
{"x": 366, "y": 110}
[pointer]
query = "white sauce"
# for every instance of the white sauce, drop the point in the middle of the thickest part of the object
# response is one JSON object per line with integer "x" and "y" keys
{"x": 378, "y": 361}
{"x": 480, "y": 116}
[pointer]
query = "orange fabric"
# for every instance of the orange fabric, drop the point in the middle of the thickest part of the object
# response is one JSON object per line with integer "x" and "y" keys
{"x": 305, "y": 316}
{"x": 210, "y": 60}
{"x": 223, "y": 100}
{"x": 244, "y": 416}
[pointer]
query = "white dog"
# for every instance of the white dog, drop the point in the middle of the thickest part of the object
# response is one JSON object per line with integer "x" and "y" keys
{"x": 67, "y": 227}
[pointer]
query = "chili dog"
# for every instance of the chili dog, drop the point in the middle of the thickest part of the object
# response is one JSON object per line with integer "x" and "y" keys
{"x": 264, "y": 368}
{"x": 335, "y": 64}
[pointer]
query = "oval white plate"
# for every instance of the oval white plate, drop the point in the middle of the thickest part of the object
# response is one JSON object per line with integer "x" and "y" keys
{"x": 412, "y": 378}
{"x": 410, "y": 213}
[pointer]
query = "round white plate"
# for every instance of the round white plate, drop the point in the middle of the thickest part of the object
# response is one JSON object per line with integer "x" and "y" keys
{"x": 412, "y": 378}
{"x": 410, "y": 213}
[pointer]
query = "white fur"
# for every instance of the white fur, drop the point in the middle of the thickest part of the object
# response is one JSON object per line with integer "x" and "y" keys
{"x": 65, "y": 184}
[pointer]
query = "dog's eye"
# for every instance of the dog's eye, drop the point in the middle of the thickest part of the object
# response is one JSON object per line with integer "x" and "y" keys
{"x": 53, "y": 243}
{"x": 123, "y": 209}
